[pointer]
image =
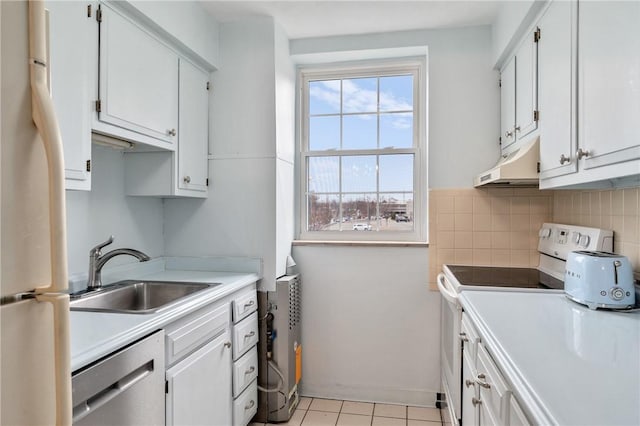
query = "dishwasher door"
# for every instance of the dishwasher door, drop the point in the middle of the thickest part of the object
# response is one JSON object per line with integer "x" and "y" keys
{"x": 124, "y": 388}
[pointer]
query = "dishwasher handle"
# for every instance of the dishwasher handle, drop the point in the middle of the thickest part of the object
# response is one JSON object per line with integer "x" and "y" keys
{"x": 112, "y": 391}
{"x": 446, "y": 289}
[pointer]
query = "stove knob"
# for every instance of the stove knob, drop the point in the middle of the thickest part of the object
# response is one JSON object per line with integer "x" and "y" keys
{"x": 616, "y": 293}
{"x": 584, "y": 241}
{"x": 544, "y": 233}
{"x": 576, "y": 237}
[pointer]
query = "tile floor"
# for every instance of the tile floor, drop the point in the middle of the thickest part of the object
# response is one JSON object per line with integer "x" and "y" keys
{"x": 332, "y": 412}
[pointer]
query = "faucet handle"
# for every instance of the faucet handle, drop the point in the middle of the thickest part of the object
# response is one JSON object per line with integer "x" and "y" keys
{"x": 102, "y": 245}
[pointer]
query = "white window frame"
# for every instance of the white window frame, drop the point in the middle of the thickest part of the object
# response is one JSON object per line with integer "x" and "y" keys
{"x": 417, "y": 67}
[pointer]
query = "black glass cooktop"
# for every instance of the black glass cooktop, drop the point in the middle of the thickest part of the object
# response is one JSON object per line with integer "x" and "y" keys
{"x": 504, "y": 277}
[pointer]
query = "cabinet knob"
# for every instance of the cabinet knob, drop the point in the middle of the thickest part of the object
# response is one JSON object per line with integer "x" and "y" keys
{"x": 469, "y": 383}
{"x": 171, "y": 132}
{"x": 187, "y": 179}
{"x": 580, "y": 154}
{"x": 509, "y": 134}
{"x": 564, "y": 159}
{"x": 463, "y": 337}
{"x": 475, "y": 401}
{"x": 480, "y": 381}
{"x": 517, "y": 129}
{"x": 227, "y": 344}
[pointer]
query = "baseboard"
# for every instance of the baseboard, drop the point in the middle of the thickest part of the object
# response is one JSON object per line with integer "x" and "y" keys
{"x": 418, "y": 398}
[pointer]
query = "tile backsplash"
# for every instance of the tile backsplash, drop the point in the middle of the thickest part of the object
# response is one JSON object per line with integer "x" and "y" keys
{"x": 615, "y": 209}
{"x": 499, "y": 226}
{"x": 486, "y": 226}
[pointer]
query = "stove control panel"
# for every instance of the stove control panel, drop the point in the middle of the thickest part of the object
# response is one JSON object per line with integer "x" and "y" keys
{"x": 559, "y": 240}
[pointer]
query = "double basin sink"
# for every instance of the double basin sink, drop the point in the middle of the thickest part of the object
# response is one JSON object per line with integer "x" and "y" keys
{"x": 136, "y": 296}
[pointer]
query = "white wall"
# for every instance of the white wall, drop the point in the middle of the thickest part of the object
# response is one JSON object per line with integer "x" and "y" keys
{"x": 370, "y": 325}
{"x": 249, "y": 211}
{"x": 135, "y": 222}
{"x": 510, "y": 24}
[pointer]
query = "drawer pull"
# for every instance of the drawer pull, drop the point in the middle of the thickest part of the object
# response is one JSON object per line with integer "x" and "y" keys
{"x": 469, "y": 383}
{"x": 249, "y": 304}
{"x": 250, "y": 405}
{"x": 250, "y": 370}
{"x": 475, "y": 401}
{"x": 227, "y": 344}
{"x": 480, "y": 381}
{"x": 253, "y": 333}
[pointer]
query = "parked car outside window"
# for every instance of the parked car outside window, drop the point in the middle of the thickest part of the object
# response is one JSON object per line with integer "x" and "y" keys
{"x": 361, "y": 227}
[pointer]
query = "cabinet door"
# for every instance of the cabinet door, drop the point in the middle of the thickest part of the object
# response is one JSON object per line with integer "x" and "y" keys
{"x": 70, "y": 33}
{"x": 470, "y": 393}
{"x": 609, "y": 78}
{"x": 199, "y": 387}
{"x": 526, "y": 87}
{"x": 508, "y": 103}
{"x": 193, "y": 128}
{"x": 556, "y": 90}
{"x": 138, "y": 79}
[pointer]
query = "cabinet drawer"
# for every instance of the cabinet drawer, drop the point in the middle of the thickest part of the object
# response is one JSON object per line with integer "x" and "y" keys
{"x": 245, "y": 335}
{"x": 246, "y": 405}
{"x": 468, "y": 331}
{"x": 493, "y": 389}
{"x": 244, "y": 305}
{"x": 188, "y": 334}
{"x": 245, "y": 370}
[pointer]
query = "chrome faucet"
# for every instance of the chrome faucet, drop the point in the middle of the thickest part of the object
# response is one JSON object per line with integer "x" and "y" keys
{"x": 97, "y": 261}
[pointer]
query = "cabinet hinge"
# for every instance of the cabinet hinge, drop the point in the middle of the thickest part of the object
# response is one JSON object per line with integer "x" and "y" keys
{"x": 536, "y": 115}
{"x": 538, "y": 168}
{"x": 500, "y": 140}
{"x": 88, "y": 11}
{"x": 208, "y": 85}
{"x": 99, "y": 15}
{"x": 500, "y": 83}
{"x": 88, "y": 167}
{"x": 98, "y": 105}
{"x": 166, "y": 386}
{"x": 536, "y": 35}
{"x": 207, "y": 182}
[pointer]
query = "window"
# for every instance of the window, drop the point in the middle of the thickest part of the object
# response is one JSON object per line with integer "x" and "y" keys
{"x": 362, "y": 153}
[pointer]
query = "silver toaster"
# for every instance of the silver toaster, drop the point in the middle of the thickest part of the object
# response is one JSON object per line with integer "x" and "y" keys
{"x": 599, "y": 280}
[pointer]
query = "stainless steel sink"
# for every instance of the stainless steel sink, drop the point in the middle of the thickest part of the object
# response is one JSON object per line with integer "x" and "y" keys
{"x": 136, "y": 296}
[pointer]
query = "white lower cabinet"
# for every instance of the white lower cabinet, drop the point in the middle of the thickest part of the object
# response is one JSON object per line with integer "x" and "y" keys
{"x": 198, "y": 387}
{"x": 486, "y": 397}
{"x": 245, "y": 356}
{"x": 208, "y": 382}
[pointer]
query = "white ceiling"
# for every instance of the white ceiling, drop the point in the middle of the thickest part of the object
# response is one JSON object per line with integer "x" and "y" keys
{"x": 306, "y": 18}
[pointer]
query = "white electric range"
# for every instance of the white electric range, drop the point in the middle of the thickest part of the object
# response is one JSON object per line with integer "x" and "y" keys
{"x": 555, "y": 242}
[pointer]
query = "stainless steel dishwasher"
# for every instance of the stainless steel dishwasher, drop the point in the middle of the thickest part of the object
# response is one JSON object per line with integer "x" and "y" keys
{"x": 124, "y": 388}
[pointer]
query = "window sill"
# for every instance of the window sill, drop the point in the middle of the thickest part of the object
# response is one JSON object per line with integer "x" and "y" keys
{"x": 359, "y": 243}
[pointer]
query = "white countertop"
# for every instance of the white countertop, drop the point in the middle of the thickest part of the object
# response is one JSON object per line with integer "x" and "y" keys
{"x": 567, "y": 364}
{"x": 94, "y": 334}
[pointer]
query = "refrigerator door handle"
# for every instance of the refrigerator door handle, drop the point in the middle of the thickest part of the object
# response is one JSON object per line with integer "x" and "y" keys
{"x": 62, "y": 360}
{"x": 44, "y": 116}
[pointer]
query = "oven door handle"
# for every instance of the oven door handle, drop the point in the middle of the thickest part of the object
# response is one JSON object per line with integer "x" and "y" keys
{"x": 446, "y": 290}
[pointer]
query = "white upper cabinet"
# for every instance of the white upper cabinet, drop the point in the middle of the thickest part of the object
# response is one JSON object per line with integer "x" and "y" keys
{"x": 609, "y": 77}
{"x": 138, "y": 83}
{"x": 589, "y": 112}
{"x": 556, "y": 98}
{"x": 71, "y": 34}
{"x": 527, "y": 86}
{"x": 519, "y": 93}
{"x": 193, "y": 129}
{"x": 508, "y": 103}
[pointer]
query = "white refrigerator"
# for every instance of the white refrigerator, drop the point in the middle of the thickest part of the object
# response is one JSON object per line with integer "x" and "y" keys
{"x": 35, "y": 376}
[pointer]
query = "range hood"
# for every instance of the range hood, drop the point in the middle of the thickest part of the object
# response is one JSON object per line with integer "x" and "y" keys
{"x": 520, "y": 167}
